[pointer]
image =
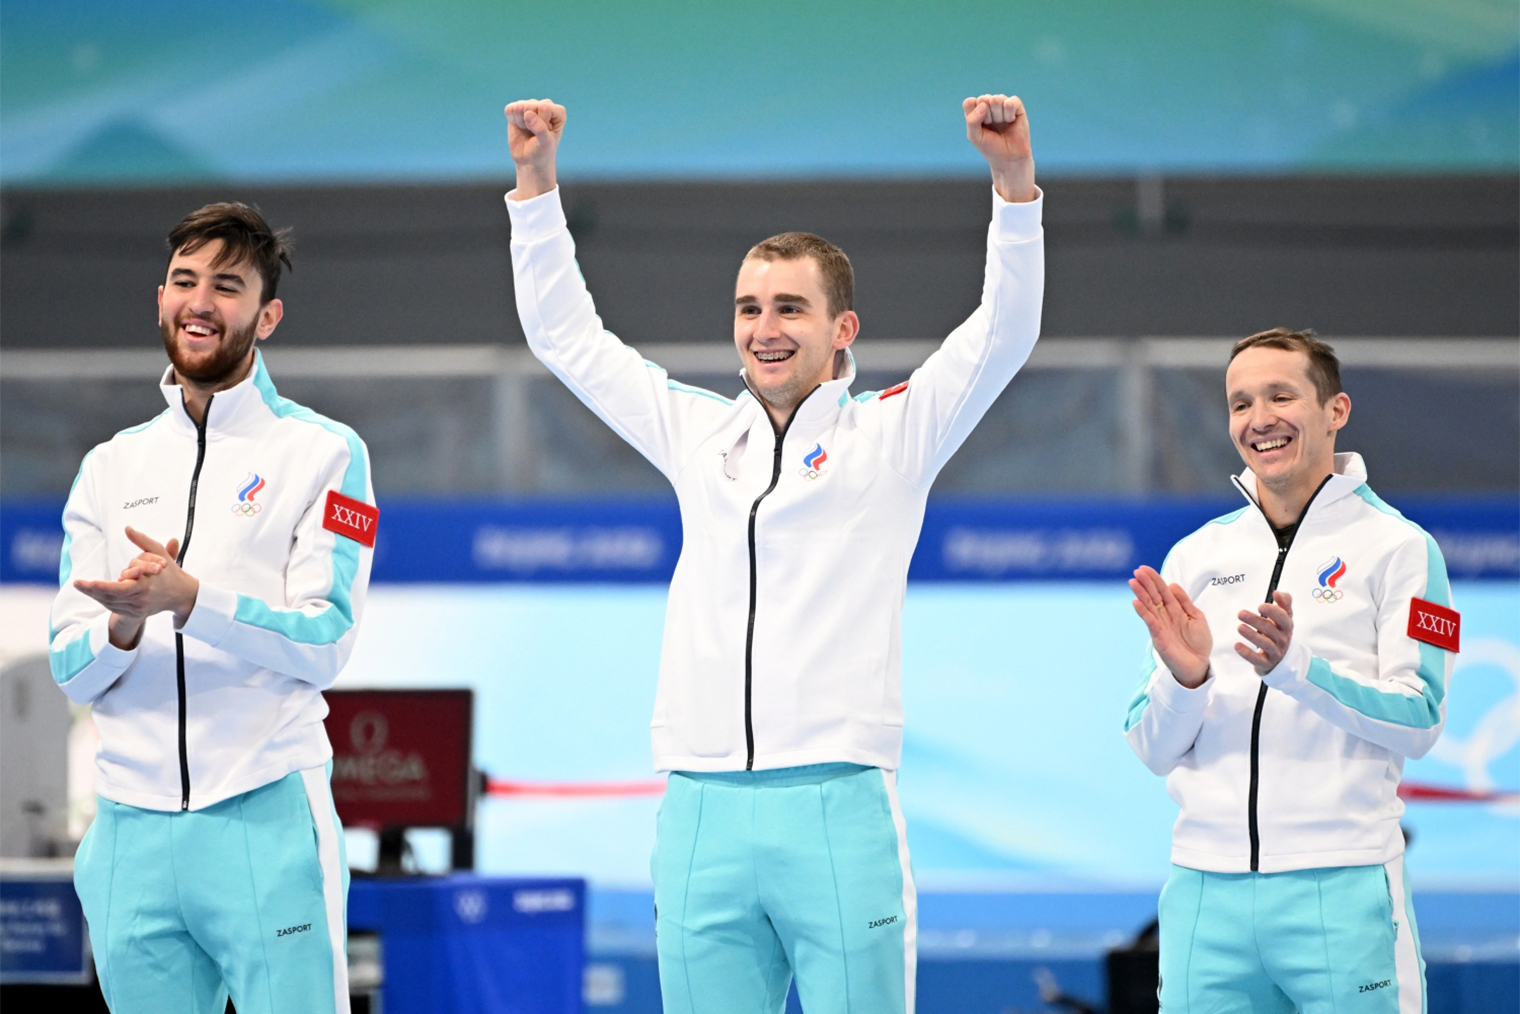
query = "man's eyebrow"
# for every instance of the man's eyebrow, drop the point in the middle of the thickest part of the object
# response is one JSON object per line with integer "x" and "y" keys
{"x": 221, "y": 276}
{"x": 1272, "y": 388}
{"x": 780, "y": 297}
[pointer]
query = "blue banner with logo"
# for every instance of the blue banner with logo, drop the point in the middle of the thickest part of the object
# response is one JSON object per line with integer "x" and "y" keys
{"x": 639, "y": 539}
{"x": 42, "y": 931}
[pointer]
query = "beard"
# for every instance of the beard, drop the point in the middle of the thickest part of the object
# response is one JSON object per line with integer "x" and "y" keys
{"x": 209, "y": 368}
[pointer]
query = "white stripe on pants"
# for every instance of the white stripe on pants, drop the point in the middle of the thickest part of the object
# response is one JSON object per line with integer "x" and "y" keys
{"x": 1406, "y": 948}
{"x": 324, "y": 818}
{"x": 909, "y": 895}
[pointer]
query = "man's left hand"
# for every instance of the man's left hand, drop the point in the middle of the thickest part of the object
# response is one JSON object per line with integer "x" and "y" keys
{"x": 998, "y": 127}
{"x": 1271, "y": 630}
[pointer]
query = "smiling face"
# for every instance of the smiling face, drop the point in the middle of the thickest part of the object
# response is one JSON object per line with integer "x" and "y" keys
{"x": 1284, "y": 433}
{"x": 786, "y": 338}
{"x": 210, "y": 315}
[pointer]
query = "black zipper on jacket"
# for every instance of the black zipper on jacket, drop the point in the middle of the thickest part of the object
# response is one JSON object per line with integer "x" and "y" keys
{"x": 1261, "y": 695}
{"x": 179, "y": 639}
{"x": 749, "y": 636}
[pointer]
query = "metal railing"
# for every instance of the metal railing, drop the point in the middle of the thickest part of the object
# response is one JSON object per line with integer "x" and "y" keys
{"x": 510, "y": 369}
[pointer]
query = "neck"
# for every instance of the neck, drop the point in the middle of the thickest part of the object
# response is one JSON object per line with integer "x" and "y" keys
{"x": 779, "y": 416}
{"x": 1284, "y": 503}
{"x": 780, "y": 413}
{"x": 198, "y": 395}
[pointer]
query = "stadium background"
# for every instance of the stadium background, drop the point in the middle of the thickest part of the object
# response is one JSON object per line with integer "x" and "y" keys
{"x": 1210, "y": 170}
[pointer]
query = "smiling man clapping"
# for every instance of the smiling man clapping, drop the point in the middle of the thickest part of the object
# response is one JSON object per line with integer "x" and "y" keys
{"x": 1300, "y": 650}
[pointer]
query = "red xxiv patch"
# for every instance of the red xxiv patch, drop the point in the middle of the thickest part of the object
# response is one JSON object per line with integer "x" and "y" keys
{"x": 1435, "y": 624}
{"x": 353, "y": 518}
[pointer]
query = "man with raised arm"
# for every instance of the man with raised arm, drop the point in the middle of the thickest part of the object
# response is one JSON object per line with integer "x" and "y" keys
{"x": 1284, "y": 749}
{"x": 780, "y": 847}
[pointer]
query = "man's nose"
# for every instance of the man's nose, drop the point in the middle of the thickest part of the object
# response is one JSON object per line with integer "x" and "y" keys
{"x": 769, "y": 324}
{"x": 201, "y": 300}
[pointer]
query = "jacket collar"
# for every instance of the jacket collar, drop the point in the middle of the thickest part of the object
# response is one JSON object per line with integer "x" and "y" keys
{"x": 823, "y": 405}
{"x": 231, "y": 409}
{"x": 1350, "y": 474}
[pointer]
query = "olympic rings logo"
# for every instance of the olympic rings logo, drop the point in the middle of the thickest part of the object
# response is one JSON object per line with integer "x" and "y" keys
{"x": 809, "y": 473}
{"x": 1328, "y": 594}
{"x": 246, "y": 509}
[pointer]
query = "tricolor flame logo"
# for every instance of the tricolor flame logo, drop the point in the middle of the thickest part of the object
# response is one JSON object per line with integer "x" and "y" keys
{"x": 812, "y": 462}
{"x": 250, "y": 487}
{"x": 1331, "y": 572}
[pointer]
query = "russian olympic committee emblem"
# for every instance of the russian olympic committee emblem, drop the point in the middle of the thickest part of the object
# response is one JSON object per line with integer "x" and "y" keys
{"x": 250, "y": 487}
{"x": 812, "y": 462}
{"x": 1330, "y": 572}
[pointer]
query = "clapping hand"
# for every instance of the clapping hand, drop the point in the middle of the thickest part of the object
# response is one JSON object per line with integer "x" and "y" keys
{"x": 152, "y": 582}
{"x": 1178, "y": 629}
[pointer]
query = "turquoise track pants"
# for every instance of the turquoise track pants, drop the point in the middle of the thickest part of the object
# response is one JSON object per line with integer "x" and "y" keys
{"x": 1339, "y": 940}
{"x": 760, "y": 875}
{"x": 245, "y": 897}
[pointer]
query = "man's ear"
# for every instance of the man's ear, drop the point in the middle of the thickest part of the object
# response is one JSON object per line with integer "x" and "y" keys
{"x": 1340, "y": 411}
{"x": 846, "y": 329}
{"x": 269, "y": 318}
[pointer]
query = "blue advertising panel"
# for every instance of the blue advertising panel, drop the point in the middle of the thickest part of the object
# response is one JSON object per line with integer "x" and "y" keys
{"x": 464, "y": 944}
{"x": 42, "y": 931}
{"x": 639, "y": 539}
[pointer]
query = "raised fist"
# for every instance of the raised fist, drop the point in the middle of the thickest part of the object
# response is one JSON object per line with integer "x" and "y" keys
{"x": 534, "y": 128}
{"x": 998, "y": 127}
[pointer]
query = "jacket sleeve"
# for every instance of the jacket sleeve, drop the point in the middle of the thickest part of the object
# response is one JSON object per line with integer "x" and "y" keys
{"x": 1164, "y": 716}
{"x": 923, "y": 423}
{"x": 309, "y": 633}
{"x": 83, "y": 660}
{"x": 1402, "y": 707}
{"x": 659, "y": 417}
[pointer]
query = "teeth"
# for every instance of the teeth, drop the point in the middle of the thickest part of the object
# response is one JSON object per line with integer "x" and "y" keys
{"x": 772, "y": 357}
{"x": 1271, "y": 445}
{"x": 199, "y": 329}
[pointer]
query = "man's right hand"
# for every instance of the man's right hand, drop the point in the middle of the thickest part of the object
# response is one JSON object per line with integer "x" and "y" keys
{"x": 1178, "y": 629}
{"x": 151, "y": 583}
{"x": 534, "y": 127}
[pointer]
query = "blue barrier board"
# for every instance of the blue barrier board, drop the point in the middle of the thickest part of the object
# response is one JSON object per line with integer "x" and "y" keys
{"x": 639, "y": 539}
{"x": 42, "y": 934}
{"x": 466, "y": 944}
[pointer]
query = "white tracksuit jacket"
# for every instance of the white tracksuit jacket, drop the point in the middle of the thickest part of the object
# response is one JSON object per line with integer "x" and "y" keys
{"x": 782, "y": 637}
{"x": 1353, "y": 696}
{"x": 278, "y": 607}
